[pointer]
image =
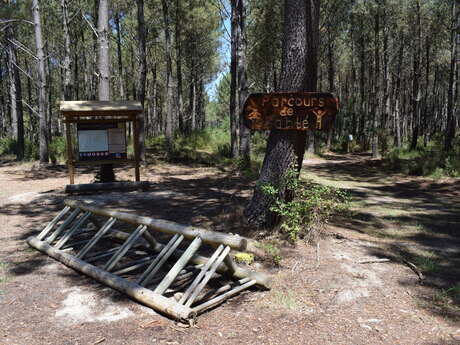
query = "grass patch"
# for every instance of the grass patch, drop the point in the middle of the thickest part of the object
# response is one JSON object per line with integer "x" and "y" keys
{"x": 287, "y": 300}
{"x": 427, "y": 263}
{"x": 3, "y": 275}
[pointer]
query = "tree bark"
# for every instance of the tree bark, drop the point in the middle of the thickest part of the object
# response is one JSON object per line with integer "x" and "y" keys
{"x": 17, "y": 115}
{"x": 106, "y": 173}
{"x": 142, "y": 73}
{"x": 180, "y": 101}
{"x": 104, "y": 53}
{"x": 234, "y": 80}
{"x": 121, "y": 88}
{"x": 42, "y": 87}
{"x": 451, "y": 118}
{"x": 67, "y": 59}
{"x": 244, "y": 132}
{"x": 168, "y": 84}
{"x": 285, "y": 149}
{"x": 415, "y": 80}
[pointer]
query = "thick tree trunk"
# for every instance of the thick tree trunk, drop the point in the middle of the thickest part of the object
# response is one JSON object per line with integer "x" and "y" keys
{"x": 42, "y": 87}
{"x": 244, "y": 133}
{"x": 17, "y": 115}
{"x": 285, "y": 149}
{"x": 142, "y": 73}
{"x": 234, "y": 80}
{"x": 104, "y": 53}
{"x": 106, "y": 173}
{"x": 169, "y": 81}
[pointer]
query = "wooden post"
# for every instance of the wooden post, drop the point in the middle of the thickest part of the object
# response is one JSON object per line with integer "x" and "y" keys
{"x": 136, "y": 148}
{"x": 70, "y": 158}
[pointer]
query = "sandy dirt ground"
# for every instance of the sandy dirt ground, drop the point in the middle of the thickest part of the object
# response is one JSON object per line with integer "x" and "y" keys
{"x": 343, "y": 301}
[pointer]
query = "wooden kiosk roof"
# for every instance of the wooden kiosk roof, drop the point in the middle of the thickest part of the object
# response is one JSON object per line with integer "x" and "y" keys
{"x": 100, "y": 107}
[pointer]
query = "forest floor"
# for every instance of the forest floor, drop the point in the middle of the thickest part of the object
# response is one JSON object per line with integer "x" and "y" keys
{"x": 343, "y": 301}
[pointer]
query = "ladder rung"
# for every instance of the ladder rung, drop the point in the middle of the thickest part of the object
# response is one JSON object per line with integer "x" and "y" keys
{"x": 101, "y": 254}
{"x": 134, "y": 265}
{"x": 51, "y": 224}
{"x": 102, "y": 231}
{"x": 213, "y": 293}
{"x": 207, "y": 276}
{"x": 220, "y": 298}
{"x": 64, "y": 225}
{"x": 160, "y": 259}
{"x": 200, "y": 276}
{"x": 125, "y": 247}
{"x": 178, "y": 266}
{"x": 72, "y": 230}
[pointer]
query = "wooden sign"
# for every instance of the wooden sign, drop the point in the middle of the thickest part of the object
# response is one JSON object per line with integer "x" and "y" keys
{"x": 290, "y": 111}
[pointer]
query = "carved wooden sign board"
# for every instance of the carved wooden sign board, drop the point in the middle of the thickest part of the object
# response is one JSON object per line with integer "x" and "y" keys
{"x": 290, "y": 111}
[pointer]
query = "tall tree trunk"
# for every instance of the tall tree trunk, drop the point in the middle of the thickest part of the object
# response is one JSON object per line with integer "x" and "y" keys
{"x": 106, "y": 173}
{"x": 376, "y": 93}
{"x": 67, "y": 59}
{"x": 285, "y": 149}
{"x": 17, "y": 116}
{"x": 234, "y": 80}
{"x": 121, "y": 88}
{"x": 142, "y": 73}
{"x": 104, "y": 53}
{"x": 42, "y": 87}
{"x": 244, "y": 132}
{"x": 451, "y": 118}
{"x": 169, "y": 81}
{"x": 415, "y": 80}
{"x": 180, "y": 101}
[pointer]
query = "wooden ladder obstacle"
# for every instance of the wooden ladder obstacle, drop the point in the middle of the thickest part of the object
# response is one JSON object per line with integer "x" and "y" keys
{"x": 172, "y": 280}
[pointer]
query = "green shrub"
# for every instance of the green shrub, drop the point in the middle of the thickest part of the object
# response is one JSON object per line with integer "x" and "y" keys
{"x": 310, "y": 208}
{"x": 7, "y": 146}
{"x": 57, "y": 150}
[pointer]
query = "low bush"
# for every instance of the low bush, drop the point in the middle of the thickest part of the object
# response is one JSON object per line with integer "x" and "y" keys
{"x": 311, "y": 206}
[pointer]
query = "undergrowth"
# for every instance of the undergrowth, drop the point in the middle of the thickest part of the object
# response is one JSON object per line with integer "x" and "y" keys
{"x": 312, "y": 205}
{"x": 427, "y": 160}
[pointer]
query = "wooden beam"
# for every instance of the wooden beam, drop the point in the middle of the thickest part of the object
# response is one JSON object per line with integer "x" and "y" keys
{"x": 108, "y": 186}
{"x": 145, "y": 296}
{"x": 211, "y": 237}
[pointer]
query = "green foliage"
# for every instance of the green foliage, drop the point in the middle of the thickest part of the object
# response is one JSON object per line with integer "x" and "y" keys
{"x": 7, "y": 146}
{"x": 57, "y": 150}
{"x": 245, "y": 258}
{"x": 272, "y": 250}
{"x": 425, "y": 161}
{"x": 310, "y": 208}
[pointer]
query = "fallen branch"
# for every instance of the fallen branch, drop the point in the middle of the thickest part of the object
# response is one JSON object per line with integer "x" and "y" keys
{"x": 373, "y": 261}
{"x": 415, "y": 269}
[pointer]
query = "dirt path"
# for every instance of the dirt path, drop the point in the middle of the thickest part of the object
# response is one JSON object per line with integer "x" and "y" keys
{"x": 341, "y": 302}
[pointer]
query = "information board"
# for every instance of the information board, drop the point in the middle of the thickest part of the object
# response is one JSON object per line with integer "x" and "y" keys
{"x": 101, "y": 141}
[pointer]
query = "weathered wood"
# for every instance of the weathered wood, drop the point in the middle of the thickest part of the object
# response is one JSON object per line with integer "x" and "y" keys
{"x": 200, "y": 276}
{"x": 107, "y": 186}
{"x": 178, "y": 266}
{"x": 65, "y": 224}
{"x": 101, "y": 106}
{"x": 51, "y": 224}
{"x": 236, "y": 271}
{"x": 210, "y": 237}
{"x": 125, "y": 247}
{"x": 72, "y": 230}
{"x": 164, "y": 255}
{"x": 145, "y": 296}
{"x": 223, "y": 297}
{"x": 102, "y": 231}
{"x": 207, "y": 277}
